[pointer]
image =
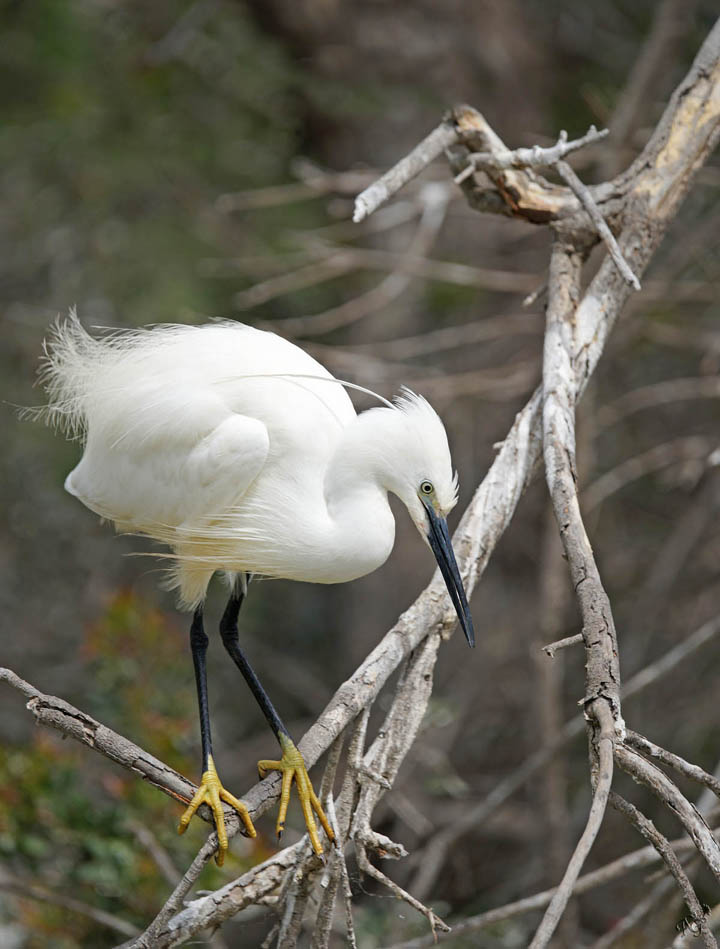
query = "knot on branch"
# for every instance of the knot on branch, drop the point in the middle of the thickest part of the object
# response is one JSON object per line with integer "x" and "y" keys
{"x": 381, "y": 845}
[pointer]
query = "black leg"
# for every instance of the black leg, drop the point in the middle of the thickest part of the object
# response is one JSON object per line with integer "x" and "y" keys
{"x": 230, "y": 638}
{"x": 292, "y": 765}
{"x": 210, "y": 791}
{"x": 198, "y": 645}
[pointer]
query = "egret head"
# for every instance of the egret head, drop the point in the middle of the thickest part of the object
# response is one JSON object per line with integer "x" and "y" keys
{"x": 419, "y": 471}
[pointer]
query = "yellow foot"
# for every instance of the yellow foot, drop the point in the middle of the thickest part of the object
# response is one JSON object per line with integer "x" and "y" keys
{"x": 292, "y": 766}
{"x": 212, "y": 793}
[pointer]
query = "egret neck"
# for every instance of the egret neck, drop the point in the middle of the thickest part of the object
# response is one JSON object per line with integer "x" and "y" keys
{"x": 370, "y": 461}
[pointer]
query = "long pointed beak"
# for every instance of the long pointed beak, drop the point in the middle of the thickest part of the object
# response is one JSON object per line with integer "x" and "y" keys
{"x": 439, "y": 539}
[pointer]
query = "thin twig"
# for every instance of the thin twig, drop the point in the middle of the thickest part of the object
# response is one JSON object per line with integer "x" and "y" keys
{"x": 552, "y": 648}
{"x": 436, "y": 924}
{"x": 384, "y": 758}
{"x": 347, "y": 901}
{"x": 554, "y": 610}
{"x": 586, "y": 199}
{"x": 393, "y": 180}
{"x": 535, "y": 157}
{"x": 692, "y": 771}
{"x": 295, "y": 894}
{"x": 535, "y": 294}
{"x": 329, "y": 884}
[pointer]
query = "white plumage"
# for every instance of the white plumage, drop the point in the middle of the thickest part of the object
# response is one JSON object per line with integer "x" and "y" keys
{"x": 243, "y": 454}
{"x": 240, "y": 451}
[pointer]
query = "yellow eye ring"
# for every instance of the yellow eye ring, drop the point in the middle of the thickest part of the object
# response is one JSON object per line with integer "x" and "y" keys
{"x": 426, "y": 487}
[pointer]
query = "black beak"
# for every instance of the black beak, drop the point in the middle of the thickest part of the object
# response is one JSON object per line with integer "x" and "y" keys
{"x": 439, "y": 538}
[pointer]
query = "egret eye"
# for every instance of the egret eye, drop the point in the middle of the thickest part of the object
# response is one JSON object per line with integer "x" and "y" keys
{"x": 426, "y": 487}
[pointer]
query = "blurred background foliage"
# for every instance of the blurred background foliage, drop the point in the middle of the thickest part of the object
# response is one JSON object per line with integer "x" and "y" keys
{"x": 170, "y": 162}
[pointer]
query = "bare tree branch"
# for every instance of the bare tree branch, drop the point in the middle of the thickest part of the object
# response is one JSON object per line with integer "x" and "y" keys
{"x": 552, "y": 648}
{"x": 392, "y": 181}
{"x": 58, "y": 714}
{"x": 500, "y": 159}
{"x": 604, "y": 773}
{"x": 692, "y": 771}
{"x": 635, "y": 860}
{"x": 586, "y": 199}
{"x": 646, "y": 773}
{"x": 662, "y": 845}
{"x": 434, "y": 854}
{"x": 535, "y": 157}
{"x": 602, "y": 698}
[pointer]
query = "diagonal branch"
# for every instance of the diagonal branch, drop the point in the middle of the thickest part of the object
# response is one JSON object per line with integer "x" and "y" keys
{"x": 393, "y": 180}
{"x": 686, "y": 768}
{"x": 629, "y": 862}
{"x": 604, "y": 773}
{"x": 433, "y": 856}
{"x": 59, "y": 714}
{"x": 644, "y": 772}
{"x": 662, "y": 845}
{"x": 582, "y": 192}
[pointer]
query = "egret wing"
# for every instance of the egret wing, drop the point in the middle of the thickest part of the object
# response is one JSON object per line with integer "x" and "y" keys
{"x": 172, "y": 475}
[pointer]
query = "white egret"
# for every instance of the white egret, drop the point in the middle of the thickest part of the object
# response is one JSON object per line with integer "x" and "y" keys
{"x": 244, "y": 455}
